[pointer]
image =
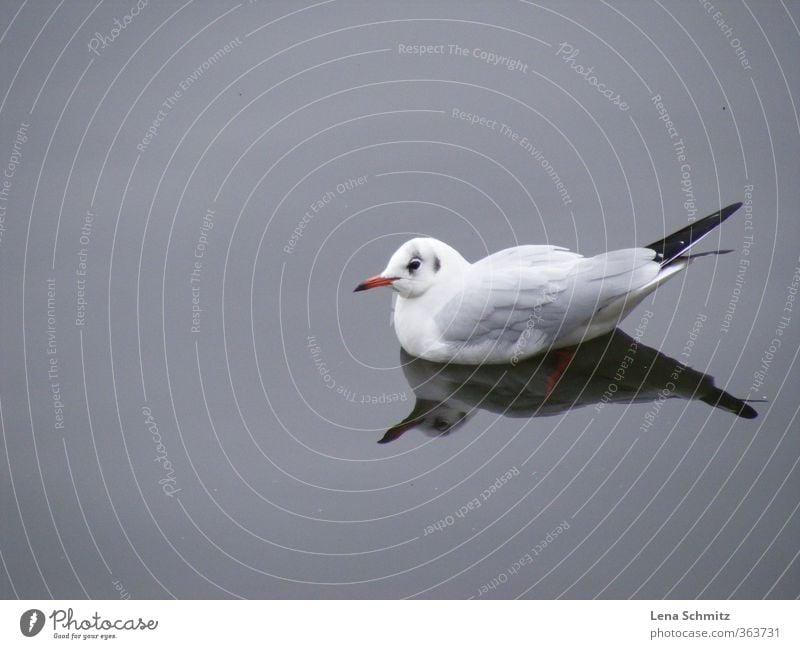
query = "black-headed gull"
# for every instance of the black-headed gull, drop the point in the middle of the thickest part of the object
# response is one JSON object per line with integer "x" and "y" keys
{"x": 525, "y": 300}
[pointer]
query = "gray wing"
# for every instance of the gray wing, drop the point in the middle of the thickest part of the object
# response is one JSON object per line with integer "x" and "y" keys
{"x": 528, "y": 297}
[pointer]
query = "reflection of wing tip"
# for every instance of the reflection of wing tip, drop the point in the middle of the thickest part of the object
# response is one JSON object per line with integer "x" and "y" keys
{"x": 721, "y": 399}
{"x": 748, "y": 412}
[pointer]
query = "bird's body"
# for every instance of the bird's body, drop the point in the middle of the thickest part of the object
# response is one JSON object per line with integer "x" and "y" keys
{"x": 524, "y": 300}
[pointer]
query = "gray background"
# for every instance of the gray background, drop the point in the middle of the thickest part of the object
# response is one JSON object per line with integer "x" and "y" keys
{"x": 283, "y": 491}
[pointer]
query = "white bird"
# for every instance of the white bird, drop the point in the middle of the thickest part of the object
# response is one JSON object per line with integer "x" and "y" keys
{"x": 525, "y": 300}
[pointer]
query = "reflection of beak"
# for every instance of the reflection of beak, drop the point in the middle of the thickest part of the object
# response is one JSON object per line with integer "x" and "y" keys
{"x": 373, "y": 282}
{"x": 441, "y": 423}
{"x": 422, "y": 408}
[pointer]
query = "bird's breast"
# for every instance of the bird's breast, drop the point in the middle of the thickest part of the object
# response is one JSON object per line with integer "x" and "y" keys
{"x": 415, "y": 327}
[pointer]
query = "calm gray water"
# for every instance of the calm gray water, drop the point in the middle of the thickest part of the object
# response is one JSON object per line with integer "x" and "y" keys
{"x": 192, "y": 396}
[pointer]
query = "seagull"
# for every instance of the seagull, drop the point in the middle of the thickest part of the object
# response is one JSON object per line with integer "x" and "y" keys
{"x": 525, "y": 300}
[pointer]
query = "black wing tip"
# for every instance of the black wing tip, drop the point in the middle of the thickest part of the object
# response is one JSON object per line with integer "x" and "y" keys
{"x": 676, "y": 244}
{"x": 725, "y": 212}
{"x": 716, "y": 218}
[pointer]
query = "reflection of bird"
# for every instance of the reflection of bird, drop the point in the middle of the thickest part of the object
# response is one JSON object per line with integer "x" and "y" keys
{"x": 521, "y": 301}
{"x": 613, "y": 367}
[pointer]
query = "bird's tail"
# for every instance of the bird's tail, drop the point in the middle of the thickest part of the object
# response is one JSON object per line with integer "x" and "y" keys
{"x": 673, "y": 246}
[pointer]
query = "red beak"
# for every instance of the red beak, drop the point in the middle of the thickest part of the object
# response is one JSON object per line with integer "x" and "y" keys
{"x": 373, "y": 282}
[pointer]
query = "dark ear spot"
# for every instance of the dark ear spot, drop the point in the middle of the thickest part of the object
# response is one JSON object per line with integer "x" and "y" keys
{"x": 437, "y": 264}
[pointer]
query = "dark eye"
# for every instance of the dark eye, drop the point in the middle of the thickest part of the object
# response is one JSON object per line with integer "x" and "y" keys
{"x": 414, "y": 264}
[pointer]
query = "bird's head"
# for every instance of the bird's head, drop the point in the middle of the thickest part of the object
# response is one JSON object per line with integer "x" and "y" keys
{"x": 416, "y": 266}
